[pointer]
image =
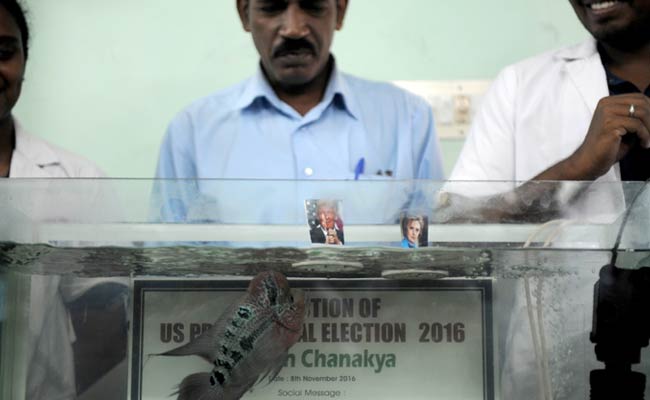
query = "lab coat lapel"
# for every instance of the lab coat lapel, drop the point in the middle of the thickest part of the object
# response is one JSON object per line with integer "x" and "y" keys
{"x": 22, "y": 167}
{"x": 586, "y": 71}
{"x": 31, "y": 156}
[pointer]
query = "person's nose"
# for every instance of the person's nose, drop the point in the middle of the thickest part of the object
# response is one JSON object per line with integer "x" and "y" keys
{"x": 294, "y": 25}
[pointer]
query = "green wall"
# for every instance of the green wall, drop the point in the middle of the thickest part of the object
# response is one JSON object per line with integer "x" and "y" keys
{"x": 104, "y": 78}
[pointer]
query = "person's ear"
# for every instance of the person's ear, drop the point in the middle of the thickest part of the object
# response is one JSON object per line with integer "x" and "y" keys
{"x": 341, "y": 9}
{"x": 243, "y": 7}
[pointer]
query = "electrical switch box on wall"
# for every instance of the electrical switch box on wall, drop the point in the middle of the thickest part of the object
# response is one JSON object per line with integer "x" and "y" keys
{"x": 454, "y": 103}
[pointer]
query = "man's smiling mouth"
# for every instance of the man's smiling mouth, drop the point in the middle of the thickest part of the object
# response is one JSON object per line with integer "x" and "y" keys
{"x": 603, "y": 6}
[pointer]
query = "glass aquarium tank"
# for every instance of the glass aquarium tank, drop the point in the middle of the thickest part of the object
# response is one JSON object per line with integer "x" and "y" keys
{"x": 380, "y": 289}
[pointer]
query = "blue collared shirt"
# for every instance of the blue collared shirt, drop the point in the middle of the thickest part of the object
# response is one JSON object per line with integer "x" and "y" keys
{"x": 247, "y": 132}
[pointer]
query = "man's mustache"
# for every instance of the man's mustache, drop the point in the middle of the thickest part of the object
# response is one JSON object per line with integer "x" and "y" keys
{"x": 293, "y": 46}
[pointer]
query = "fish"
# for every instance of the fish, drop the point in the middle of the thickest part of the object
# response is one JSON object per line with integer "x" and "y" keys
{"x": 249, "y": 342}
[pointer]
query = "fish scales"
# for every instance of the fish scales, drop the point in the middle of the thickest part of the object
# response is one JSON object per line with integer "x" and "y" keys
{"x": 238, "y": 341}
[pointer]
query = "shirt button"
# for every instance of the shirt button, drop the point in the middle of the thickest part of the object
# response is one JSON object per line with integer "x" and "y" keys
{"x": 309, "y": 171}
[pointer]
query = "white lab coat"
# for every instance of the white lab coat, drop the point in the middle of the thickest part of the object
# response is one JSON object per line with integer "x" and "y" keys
{"x": 50, "y": 365}
{"x": 536, "y": 114}
{"x": 35, "y": 158}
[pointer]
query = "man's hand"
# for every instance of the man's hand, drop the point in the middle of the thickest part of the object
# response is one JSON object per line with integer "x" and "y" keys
{"x": 613, "y": 131}
{"x": 332, "y": 237}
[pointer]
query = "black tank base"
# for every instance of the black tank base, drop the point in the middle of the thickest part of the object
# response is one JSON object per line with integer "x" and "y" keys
{"x": 616, "y": 385}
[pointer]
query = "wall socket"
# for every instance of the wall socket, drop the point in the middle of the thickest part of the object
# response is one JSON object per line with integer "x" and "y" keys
{"x": 454, "y": 103}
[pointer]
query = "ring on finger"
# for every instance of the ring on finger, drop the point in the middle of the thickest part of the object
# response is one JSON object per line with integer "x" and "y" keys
{"x": 632, "y": 110}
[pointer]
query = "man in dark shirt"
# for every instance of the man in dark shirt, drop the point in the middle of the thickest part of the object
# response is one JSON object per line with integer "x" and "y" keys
{"x": 620, "y": 128}
{"x": 550, "y": 117}
{"x": 553, "y": 118}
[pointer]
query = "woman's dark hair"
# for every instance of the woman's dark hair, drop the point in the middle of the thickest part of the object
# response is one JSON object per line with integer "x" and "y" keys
{"x": 15, "y": 9}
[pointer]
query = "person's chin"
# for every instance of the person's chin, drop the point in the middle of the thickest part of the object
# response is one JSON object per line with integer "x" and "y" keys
{"x": 613, "y": 25}
{"x": 295, "y": 77}
{"x": 296, "y": 72}
{"x": 620, "y": 35}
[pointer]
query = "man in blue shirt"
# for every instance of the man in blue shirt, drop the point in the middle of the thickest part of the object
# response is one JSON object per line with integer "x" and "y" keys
{"x": 300, "y": 117}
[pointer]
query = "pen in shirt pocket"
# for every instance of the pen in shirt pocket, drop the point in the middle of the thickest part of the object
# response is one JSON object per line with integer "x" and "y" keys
{"x": 359, "y": 169}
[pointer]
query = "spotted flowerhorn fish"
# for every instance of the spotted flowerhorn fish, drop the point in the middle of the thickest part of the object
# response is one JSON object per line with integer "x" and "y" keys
{"x": 249, "y": 342}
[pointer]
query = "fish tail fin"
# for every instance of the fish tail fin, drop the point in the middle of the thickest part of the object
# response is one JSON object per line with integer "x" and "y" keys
{"x": 197, "y": 387}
